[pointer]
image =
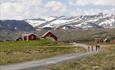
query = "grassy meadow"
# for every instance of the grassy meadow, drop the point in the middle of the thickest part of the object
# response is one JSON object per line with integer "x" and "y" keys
{"x": 20, "y": 51}
{"x": 105, "y": 60}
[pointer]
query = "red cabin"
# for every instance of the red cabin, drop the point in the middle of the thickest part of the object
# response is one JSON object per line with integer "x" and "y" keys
{"x": 28, "y": 37}
{"x": 50, "y": 34}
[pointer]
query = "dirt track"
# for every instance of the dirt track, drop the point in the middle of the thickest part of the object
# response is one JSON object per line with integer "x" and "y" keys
{"x": 34, "y": 65}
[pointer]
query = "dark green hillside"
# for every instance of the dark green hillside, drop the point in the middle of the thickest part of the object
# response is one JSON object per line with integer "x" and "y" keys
{"x": 81, "y": 35}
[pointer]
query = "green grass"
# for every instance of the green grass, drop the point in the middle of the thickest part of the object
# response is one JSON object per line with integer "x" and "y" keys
{"x": 20, "y": 51}
{"x": 105, "y": 60}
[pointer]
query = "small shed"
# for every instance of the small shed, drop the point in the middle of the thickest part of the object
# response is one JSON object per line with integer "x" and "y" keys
{"x": 50, "y": 34}
{"x": 18, "y": 39}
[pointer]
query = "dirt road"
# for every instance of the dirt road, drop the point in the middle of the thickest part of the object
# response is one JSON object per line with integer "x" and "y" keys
{"x": 34, "y": 65}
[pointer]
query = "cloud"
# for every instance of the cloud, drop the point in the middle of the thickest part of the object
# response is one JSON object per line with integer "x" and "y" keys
{"x": 95, "y": 2}
{"x": 78, "y": 12}
{"x": 9, "y": 10}
{"x": 55, "y": 8}
{"x": 21, "y": 9}
{"x": 26, "y": 2}
{"x": 55, "y": 5}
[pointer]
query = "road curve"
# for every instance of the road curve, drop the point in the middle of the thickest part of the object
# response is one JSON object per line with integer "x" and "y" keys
{"x": 44, "y": 62}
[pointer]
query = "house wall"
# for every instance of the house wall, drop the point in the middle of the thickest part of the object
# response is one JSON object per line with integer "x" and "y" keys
{"x": 30, "y": 37}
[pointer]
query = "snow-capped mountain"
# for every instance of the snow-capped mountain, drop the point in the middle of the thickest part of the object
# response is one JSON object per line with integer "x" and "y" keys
{"x": 78, "y": 22}
{"x": 40, "y": 21}
{"x": 61, "y": 22}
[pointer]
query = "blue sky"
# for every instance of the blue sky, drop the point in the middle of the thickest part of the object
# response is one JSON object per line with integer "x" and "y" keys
{"x": 21, "y": 9}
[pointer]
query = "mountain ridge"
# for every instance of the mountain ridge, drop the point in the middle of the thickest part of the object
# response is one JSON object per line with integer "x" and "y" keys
{"x": 83, "y": 22}
{"x": 61, "y": 22}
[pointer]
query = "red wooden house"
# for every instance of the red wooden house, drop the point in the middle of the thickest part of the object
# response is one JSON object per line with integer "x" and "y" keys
{"x": 28, "y": 37}
{"x": 50, "y": 34}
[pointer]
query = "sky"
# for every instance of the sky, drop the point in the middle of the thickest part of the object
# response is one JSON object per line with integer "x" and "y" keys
{"x": 27, "y": 9}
